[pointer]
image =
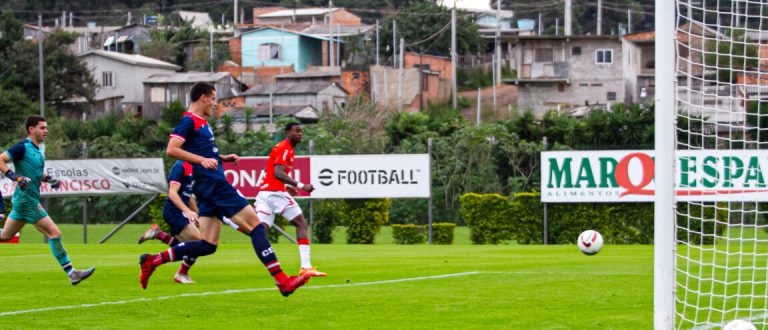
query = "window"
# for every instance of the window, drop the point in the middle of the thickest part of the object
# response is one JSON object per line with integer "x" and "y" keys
{"x": 583, "y": 85}
{"x": 157, "y": 95}
{"x": 611, "y": 96}
{"x": 356, "y": 75}
{"x": 576, "y": 50}
{"x": 106, "y": 79}
{"x": 604, "y": 56}
{"x": 561, "y": 87}
{"x": 597, "y": 85}
{"x": 269, "y": 52}
{"x": 544, "y": 55}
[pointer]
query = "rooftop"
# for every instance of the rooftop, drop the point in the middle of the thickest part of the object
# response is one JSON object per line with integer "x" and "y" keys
{"x": 185, "y": 77}
{"x": 132, "y": 59}
{"x": 297, "y": 12}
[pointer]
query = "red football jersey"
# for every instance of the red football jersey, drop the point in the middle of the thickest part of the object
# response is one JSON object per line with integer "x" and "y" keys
{"x": 282, "y": 154}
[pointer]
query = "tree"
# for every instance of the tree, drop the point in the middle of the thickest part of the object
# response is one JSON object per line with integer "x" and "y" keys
{"x": 15, "y": 107}
{"x": 732, "y": 56}
{"x": 66, "y": 75}
{"x": 425, "y": 19}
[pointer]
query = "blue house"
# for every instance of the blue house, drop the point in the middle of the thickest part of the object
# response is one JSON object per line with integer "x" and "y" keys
{"x": 276, "y": 47}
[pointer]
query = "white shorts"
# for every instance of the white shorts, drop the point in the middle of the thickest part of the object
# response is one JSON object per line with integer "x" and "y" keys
{"x": 269, "y": 203}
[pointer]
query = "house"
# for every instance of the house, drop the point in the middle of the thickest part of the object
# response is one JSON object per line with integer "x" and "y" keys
{"x": 638, "y": 52}
{"x": 386, "y": 92}
{"x": 435, "y": 85}
{"x": 127, "y": 39}
{"x": 163, "y": 88}
{"x": 262, "y": 115}
{"x": 120, "y": 75}
{"x": 275, "y": 16}
{"x": 89, "y": 37}
{"x": 486, "y": 19}
{"x": 276, "y": 47}
{"x": 321, "y": 95}
{"x": 566, "y": 71}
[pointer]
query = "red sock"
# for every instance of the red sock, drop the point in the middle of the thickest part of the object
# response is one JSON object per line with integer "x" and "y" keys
{"x": 276, "y": 271}
{"x": 163, "y": 257}
{"x": 184, "y": 269}
{"x": 166, "y": 238}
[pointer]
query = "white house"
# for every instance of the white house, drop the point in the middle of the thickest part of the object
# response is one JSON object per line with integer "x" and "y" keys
{"x": 121, "y": 75}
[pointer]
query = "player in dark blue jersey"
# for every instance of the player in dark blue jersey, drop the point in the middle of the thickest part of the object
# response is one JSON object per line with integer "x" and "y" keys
{"x": 180, "y": 213}
{"x": 192, "y": 141}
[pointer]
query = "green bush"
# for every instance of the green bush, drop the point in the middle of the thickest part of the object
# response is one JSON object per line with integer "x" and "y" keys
{"x": 442, "y": 232}
{"x": 364, "y": 219}
{"x": 408, "y": 234}
{"x": 487, "y": 216}
{"x": 328, "y": 214}
{"x": 527, "y": 217}
{"x": 701, "y": 223}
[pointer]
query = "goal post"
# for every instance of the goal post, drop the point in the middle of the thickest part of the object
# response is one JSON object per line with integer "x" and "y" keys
{"x": 664, "y": 216}
{"x": 711, "y": 166}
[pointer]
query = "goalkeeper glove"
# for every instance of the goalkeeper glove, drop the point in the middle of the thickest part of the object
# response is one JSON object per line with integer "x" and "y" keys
{"x": 55, "y": 183}
{"x": 21, "y": 181}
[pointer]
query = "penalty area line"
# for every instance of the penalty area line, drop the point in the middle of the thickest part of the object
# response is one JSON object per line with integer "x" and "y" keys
{"x": 212, "y": 293}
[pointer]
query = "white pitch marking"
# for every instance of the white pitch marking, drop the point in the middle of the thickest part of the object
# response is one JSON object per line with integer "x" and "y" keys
{"x": 200, "y": 294}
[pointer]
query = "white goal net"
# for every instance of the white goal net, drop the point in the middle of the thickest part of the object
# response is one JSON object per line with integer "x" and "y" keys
{"x": 721, "y": 169}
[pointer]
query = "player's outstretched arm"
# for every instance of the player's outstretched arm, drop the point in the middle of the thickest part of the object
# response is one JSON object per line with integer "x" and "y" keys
{"x": 174, "y": 150}
{"x": 231, "y": 158}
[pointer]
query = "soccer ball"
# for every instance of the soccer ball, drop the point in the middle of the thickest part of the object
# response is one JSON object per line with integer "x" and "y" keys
{"x": 739, "y": 325}
{"x": 590, "y": 242}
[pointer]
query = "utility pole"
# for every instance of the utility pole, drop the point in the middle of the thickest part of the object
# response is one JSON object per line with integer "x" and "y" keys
{"x": 210, "y": 30}
{"x": 599, "y": 17}
{"x": 331, "y": 60}
{"x": 377, "y": 43}
{"x": 400, "y": 77}
{"x": 394, "y": 43}
{"x": 129, "y": 19}
{"x": 497, "y": 68}
{"x": 557, "y": 26}
{"x": 453, "y": 58}
{"x": 629, "y": 21}
{"x": 234, "y": 20}
{"x": 541, "y": 27}
{"x": 568, "y": 17}
{"x": 40, "y": 62}
{"x": 70, "y": 19}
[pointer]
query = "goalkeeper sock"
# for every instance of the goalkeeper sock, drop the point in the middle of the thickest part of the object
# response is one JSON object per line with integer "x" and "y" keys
{"x": 166, "y": 238}
{"x": 60, "y": 254}
{"x": 304, "y": 252}
{"x": 265, "y": 252}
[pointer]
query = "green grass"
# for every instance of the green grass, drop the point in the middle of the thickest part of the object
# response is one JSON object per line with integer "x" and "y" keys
{"x": 510, "y": 287}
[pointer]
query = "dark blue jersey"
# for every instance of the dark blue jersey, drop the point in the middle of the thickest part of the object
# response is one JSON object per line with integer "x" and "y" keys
{"x": 181, "y": 174}
{"x": 198, "y": 139}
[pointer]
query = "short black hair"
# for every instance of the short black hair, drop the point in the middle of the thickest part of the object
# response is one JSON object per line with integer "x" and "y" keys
{"x": 32, "y": 121}
{"x": 290, "y": 126}
{"x": 199, "y": 89}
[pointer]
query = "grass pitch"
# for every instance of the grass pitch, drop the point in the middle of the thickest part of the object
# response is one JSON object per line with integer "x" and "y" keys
{"x": 369, "y": 286}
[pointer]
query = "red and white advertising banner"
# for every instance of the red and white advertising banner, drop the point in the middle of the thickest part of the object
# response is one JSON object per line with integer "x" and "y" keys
{"x": 628, "y": 176}
{"x": 343, "y": 176}
{"x": 91, "y": 177}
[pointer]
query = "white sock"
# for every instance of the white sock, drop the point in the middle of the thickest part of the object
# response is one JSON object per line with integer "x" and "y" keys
{"x": 229, "y": 222}
{"x": 304, "y": 255}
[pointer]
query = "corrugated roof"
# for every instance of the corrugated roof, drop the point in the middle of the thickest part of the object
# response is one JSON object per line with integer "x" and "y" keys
{"x": 641, "y": 36}
{"x": 289, "y": 87}
{"x": 297, "y": 12}
{"x": 185, "y": 77}
{"x": 333, "y": 72}
{"x": 262, "y": 110}
{"x": 291, "y": 32}
{"x": 132, "y": 59}
{"x": 337, "y": 30}
{"x": 198, "y": 19}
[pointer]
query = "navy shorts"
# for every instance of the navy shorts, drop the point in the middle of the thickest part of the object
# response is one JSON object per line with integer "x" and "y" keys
{"x": 217, "y": 198}
{"x": 175, "y": 219}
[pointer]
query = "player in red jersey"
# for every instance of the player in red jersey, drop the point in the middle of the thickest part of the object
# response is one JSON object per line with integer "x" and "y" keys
{"x": 275, "y": 194}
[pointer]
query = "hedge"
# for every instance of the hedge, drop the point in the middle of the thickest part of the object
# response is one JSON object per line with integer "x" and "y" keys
{"x": 488, "y": 217}
{"x": 408, "y": 234}
{"x": 364, "y": 218}
{"x": 442, "y": 232}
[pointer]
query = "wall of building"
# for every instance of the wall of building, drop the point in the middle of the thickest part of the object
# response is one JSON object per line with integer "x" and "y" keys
{"x": 384, "y": 86}
{"x": 310, "y": 54}
{"x": 356, "y": 83}
{"x": 289, "y": 47}
{"x": 436, "y": 63}
{"x": 344, "y": 17}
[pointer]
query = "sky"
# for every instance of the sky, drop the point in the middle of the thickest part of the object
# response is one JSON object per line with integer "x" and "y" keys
{"x": 473, "y": 4}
